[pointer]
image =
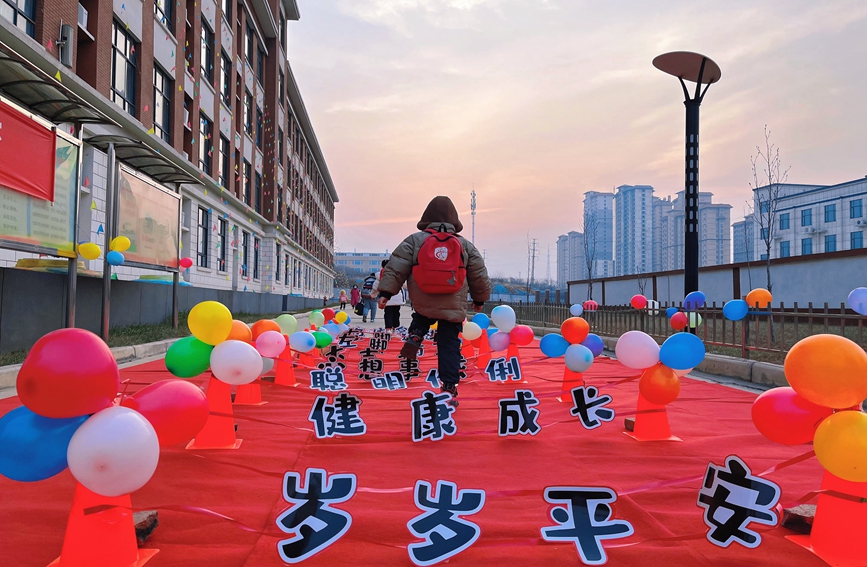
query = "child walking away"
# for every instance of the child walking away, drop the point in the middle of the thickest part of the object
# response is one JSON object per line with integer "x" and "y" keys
{"x": 343, "y": 299}
{"x": 368, "y": 297}
{"x": 440, "y": 268}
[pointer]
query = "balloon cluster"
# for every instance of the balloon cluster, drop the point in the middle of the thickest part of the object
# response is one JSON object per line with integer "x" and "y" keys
{"x": 71, "y": 418}
{"x": 117, "y": 246}
{"x": 506, "y": 332}
{"x": 828, "y": 379}
{"x": 640, "y": 302}
{"x": 737, "y": 309}
{"x": 663, "y": 366}
{"x": 679, "y": 320}
{"x": 575, "y": 343}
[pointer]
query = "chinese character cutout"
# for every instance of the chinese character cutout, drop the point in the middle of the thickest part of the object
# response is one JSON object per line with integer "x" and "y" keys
{"x": 338, "y": 418}
{"x": 433, "y": 377}
{"x": 518, "y": 415}
{"x": 590, "y": 406}
{"x": 377, "y": 344}
{"x": 347, "y": 340}
{"x": 732, "y": 498}
{"x": 328, "y": 380}
{"x": 311, "y": 520}
{"x": 334, "y": 358}
{"x": 432, "y": 417}
{"x": 445, "y": 532}
{"x": 409, "y": 367}
{"x": 389, "y": 381}
{"x": 500, "y": 370}
{"x": 368, "y": 365}
{"x": 462, "y": 369}
{"x": 584, "y": 518}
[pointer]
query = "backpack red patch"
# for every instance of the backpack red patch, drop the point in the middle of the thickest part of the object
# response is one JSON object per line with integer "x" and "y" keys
{"x": 440, "y": 268}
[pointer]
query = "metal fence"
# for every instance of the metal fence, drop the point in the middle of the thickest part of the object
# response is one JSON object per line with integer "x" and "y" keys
{"x": 772, "y": 330}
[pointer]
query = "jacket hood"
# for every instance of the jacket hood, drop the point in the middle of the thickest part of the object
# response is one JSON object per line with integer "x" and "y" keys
{"x": 440, "y": 210}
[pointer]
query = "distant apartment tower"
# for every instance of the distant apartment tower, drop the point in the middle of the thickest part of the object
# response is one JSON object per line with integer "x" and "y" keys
{"x": 633, "y": 229}
{"x": 744, "y": 240}
{"x": 668, "y": 232}
{"x": 599, "y": 217}
{"x": 570, "y": 258}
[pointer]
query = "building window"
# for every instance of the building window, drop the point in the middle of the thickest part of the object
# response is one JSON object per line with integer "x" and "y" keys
{"x": 259, "y": 127}
{"x": 856, "y": 240}
{"x": 765, "y": 233}
{"x": 206, "y": 131}
{"x": 830, "y": 213}
{"x": 855, "y": 209}
{"x": 281, "y": 86}
{"x": 283, "y": 30}
{"x": 260, "y": 66}
{"x": 807, "y": 217}
{"x": 784, "y": 249}
{"x": 255, "y": 258}
{"x": 248, "y": 113}
{"x": 203, "y": 233}
{"x": 207, "y": 62}
{"x": 245, "y": 253}
{"x": 764, "y": 207}
{"x": 22, "y": 14}
{"x": 280, "y": 145}
{"x": 248, "y": 180}
{"x": 162, "y": 104}
{"x": 784, "y": 221}
{"x": 226, "y": 78}
{"x": 258, "y": 203}
{"x": 279, "y": 258}
{"x": 831, "y": 243}
{"x": 123, "y": 68}
{"x": 279, "y": 204}
{"x": 227, "y": 9}
{"x": 224, "y": 161}
{"x": 806, "y": 246}
{"x": 223, "y": 235}
{"x": 248, "y": 45}
{"x": 163, "y": 11}
{"x": 286, "y": 265}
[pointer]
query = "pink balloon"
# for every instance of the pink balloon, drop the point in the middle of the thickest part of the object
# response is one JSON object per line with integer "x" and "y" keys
{"x": 271, "y": 344}
{"x": 522, "y": 335}
{"x": 783, "y": 416}
{"x": 499, "y": 341}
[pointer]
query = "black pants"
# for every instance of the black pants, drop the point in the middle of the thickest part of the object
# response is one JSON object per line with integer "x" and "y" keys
{"x": 342, "y": 305}
{"x": 448, "y": 345}
{"x": 392, "y": 316}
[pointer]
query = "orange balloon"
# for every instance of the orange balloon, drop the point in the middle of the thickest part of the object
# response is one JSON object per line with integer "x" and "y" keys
{"x": 828, "y": 370}
{"x": 659, "y": 385}
{"x": 759, "y": 296}
{"x": 575, "y": 330}
{"x": 841, "y": 445}
{"x": 260, "y": 327}
{"x": 240, "y": 332}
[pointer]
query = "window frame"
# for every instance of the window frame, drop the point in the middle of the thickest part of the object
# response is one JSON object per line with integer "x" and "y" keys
{"x": 279, "y": 259}
{"x": 260, "y": 128}
{"x": 226, "y": 7}
{"x": 225, "y": 160}
{"x": 784, "y": 221}
{"x": 29, "y": 20}
{"x": 206, "y": 51}
{"x": 163, "y": 11}
{"x": 131, "y": 63}
{"x": 856, "y": 235}
{"x": 831, "y": 211}
{"x": 249, "y": 44}
{"x": 856, "y": 206}
{"x": 788, "y": 249}
{"x": 226, "y": 79}
{"x": 206, "y": 156}
{"x": 163, "y": 100}
{"x": 806, "y": 217}
{"x": 257, "y": 205}
{"x": 281, "y": 79}
{"x": 260, "y": 66}
{"x": 247, "y": 181}
{"x": 257, "y": 243}
{"x": 223, "y": 239}
{"x": 203, "y": 228}
{"x": 806, "y": 246}
{"x": 832, "y": 239}
{"x": 248, "y": 112}
{"x": 245, "y": 253}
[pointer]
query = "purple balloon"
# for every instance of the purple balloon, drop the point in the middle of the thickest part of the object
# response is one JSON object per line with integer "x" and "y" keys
{"x": 499, "y": 341}
{"x": 595, "y": 344}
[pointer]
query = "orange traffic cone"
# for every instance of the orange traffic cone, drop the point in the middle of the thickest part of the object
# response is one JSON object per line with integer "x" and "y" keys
{"x": 651, "y": 423}
{"x": 467, "y": 350}
{"x": 306, "y": 360}
{"x": 101, "y": 539}
{"x": 484, "y": 351}
{"x": 219, "y": 431}
{"x": 513, "y": 352}
{"x": 285, "y": 373}
{"x": 249, "y": 395}
{"x": 837, "y": 535}
{"x": 571, "y": 380}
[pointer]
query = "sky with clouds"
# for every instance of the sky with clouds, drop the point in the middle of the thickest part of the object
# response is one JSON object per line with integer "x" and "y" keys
{"x": 535, "y": 102}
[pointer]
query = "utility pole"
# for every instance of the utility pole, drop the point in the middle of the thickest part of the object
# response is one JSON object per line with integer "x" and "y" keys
{"x": 473, "y": 212}
{"x": 531, "y": 264}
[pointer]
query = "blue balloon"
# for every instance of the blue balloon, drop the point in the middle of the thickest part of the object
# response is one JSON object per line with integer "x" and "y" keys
{"x": 735, "y": 310}
{"x": 694, "y": 300}
{"x": 482, "y": 320}
{"x": 594, "y": 343}
{"x": 553, "y": 345}
{"x": 670, "y": 311}
{"x": 858, "y": 300}
{"x": 114, "y": 258}
{"x": 33, "y": 447}
{"x": 681, "y": 351}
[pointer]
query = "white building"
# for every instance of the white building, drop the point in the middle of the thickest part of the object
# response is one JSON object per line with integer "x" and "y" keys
{"x": 668, "y": 232}
{"x": 744, "y": 240}
{"x": 633, "y": 229}
{"x": 570, "y": 258}
{"x": 599, "y": 217}
{"x": 362, "y": 261}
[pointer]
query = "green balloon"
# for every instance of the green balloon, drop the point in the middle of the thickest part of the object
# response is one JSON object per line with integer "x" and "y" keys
{"x": 323, "y": 339}
{"x": 317, "y": 318}
{"x": 288, "y": 323}
{"x": 188, "y": 357}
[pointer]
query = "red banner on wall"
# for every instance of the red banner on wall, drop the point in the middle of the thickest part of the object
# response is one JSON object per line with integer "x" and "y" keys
{"x": 26, "y": 154}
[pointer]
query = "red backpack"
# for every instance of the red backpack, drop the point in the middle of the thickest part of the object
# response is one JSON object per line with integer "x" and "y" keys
{"x": 440, "y": 266}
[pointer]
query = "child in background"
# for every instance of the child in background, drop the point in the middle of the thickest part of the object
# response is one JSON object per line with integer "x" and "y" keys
{"x": 439, "y": 278}
{"x": 343, "y": 299}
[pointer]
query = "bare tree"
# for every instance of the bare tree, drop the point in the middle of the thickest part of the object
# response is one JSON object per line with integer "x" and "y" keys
{"x": 589, "y": 226}
{"x": 642, "y": 281}
{"x": 768, "y": 179}
{"x": 748, "y": 215}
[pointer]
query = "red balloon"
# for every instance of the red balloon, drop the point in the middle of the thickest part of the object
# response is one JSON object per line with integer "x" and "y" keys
{"x": 328, "y": 313}
{"x": 68, "y": 373}
{"x": 177, "y": 409}
{"x": 521, "y": 335}
{"x": 590, "y": 305}
{"x": 783, "y": 416}
{"x": 186, "y": 262}
{"x": 638, "y": 301}
{"x": 678, "y": 321}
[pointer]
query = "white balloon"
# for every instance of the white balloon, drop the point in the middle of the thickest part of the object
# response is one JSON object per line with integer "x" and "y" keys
{"x": 576, "y": 310}
{"x": 302, "y": 341}
{"x": 504, "y": 318}
{"x": 114, "y": 452}
{"x": 472, "y": 331}
{"x": 681, "y": 373}
{"x": 578, "y": 358}
{"x": 236, "y": 362}
{"x": 267, "y": 365}
{"x": 637, "y": 350}
{"x": 271, "y": 344}
{"x": 652, "y": 307}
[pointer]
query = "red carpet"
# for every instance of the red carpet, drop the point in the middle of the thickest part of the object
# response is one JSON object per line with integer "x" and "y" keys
{"x": 713, "y": 421}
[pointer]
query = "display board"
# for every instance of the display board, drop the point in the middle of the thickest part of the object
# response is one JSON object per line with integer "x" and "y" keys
{"x": 149, "y": 216}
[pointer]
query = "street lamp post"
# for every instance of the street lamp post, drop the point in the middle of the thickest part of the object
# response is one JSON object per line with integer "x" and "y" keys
{"x": 701, "y": 70}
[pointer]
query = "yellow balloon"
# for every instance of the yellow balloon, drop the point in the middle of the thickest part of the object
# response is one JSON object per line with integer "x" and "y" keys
{"x": 120, "y": 243}
{"x": 341, "y": 317}
{"x": 841, "y": 445}
{"x": 434, "y": 326}
{"x": 210, "y": 322}
{"x": 89, "y": 251}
